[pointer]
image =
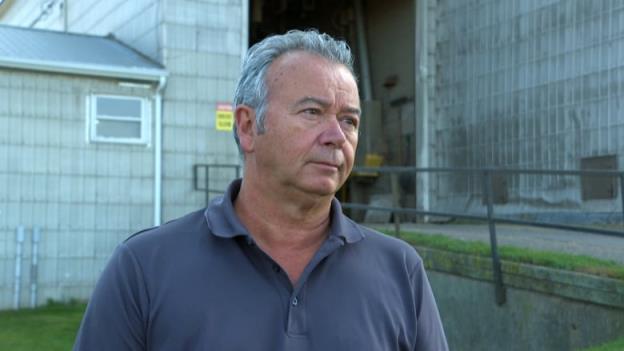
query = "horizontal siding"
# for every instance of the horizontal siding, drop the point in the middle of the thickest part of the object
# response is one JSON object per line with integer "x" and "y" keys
{"x": 84, "y": 197}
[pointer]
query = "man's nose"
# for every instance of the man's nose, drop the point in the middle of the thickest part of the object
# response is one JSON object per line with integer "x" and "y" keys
{"x": 332, "y": 133}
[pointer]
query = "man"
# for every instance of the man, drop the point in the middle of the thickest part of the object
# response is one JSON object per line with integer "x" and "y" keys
{"x": 274, "y": 264}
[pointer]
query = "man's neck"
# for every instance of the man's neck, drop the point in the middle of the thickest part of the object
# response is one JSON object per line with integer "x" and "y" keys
{"x": 288, "y": 228}
{"x": 279, "y": 217}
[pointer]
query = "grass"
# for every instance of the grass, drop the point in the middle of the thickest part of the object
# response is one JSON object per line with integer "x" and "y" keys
{"x": 576, "y": 263}
{"x": 615, "y": 345}
{"x": 48, "y": 328}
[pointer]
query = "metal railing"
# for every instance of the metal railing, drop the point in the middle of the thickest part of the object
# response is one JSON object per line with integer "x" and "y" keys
{"x": 201, "y": 177}
{"x": 487, "y": 192}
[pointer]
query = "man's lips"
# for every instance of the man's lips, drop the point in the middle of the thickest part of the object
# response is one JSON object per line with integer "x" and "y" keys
{"x": 326, "y": 164}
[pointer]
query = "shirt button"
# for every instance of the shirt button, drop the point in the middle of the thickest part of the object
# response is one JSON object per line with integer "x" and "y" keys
{"x": 295, "y": 302}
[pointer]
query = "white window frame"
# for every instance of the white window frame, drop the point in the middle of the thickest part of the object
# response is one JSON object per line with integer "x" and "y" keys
{"x": 145, "y": 120}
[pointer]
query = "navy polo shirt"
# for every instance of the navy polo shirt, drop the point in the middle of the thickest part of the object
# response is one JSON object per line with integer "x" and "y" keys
{"x": 200, "y": 283}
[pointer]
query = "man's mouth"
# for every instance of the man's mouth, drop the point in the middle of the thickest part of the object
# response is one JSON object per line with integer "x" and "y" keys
{"x": 326, "y": 164}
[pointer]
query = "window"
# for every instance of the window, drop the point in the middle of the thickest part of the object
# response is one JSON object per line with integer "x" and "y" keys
{"x": 118, "y": 119}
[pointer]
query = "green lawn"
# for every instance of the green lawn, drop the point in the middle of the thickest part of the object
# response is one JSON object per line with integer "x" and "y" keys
{"x": 576, "y": 263}
{"x": 47, "y": 328}
{"x": 615, "y": 345}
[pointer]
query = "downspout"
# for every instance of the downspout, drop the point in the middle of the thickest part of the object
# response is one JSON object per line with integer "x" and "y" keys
{"x": 421, "y": 131}
{"x": 34, "y": 266}
{"x": 19, "y": 242}
{"x": 158, "y": 101}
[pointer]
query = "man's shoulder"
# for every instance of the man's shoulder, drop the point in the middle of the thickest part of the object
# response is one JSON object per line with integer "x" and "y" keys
{"x": 190, "y": 224}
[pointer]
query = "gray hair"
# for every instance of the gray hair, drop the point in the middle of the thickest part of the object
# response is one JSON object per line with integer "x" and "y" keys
{"x": 251, "y": 89}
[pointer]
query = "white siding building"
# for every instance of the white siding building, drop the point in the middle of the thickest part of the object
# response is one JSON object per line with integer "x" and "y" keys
{"x": 80, "y": 154}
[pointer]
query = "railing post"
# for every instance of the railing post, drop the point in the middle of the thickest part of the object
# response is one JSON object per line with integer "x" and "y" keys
{"x": 496, "y": 265}
{"x": 394, "y": 183}
{"x": 207, "y": 184}
{"x": 622, "y": 194}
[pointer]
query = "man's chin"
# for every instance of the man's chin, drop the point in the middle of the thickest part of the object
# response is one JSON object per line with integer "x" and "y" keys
{"x": 322, "y": 188}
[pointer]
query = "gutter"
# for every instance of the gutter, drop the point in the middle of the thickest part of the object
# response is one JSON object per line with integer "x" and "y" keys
{"x": 145, "y": 74}
{"x": 158, "y": 101}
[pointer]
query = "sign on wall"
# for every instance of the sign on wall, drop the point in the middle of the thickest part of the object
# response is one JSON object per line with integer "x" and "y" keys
{"x": 224, "y": 117}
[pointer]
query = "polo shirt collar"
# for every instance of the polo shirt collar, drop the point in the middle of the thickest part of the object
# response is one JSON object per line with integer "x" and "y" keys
{"x": 223, "y": 221}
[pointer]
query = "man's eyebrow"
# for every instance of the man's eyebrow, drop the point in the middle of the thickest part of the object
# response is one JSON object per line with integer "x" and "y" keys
{"x": 325, "y": 103}
{"x": 354, "y": 110}
{"x": 312, "y": 99}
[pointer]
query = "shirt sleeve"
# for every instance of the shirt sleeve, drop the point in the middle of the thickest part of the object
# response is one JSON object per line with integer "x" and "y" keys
{"x": 117, "y": 312}
{"x": 429, "y": 330}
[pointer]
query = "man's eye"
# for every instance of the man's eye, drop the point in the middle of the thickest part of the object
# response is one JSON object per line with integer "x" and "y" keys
{"x": 312, "y": 111}
{"x": 351, "y": 122}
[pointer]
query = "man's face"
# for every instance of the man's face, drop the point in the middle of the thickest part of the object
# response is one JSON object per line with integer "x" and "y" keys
{"x": 311, "y": 124}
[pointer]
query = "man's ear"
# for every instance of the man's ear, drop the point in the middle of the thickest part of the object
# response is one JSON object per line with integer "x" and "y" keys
{"x": 245, "y": 119}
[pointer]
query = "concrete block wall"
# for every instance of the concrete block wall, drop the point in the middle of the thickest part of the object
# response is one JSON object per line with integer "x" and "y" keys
{"x": 84, "y": 197}
{"x": 527, "y": 84}
{"x": 203, "y": 42}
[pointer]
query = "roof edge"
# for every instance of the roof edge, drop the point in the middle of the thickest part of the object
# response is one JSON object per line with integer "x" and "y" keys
{"x": 112, "y": 37}
{"x": 144, "y": 74}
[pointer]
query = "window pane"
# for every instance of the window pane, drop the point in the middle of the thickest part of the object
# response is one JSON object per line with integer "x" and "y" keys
{"x": 118, "y": 129}
{"x": 109, "y": 106}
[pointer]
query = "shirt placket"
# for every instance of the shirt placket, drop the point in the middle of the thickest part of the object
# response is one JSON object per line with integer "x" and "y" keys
{"x": 297, "y": 325}
{"x": 294, "y": 297}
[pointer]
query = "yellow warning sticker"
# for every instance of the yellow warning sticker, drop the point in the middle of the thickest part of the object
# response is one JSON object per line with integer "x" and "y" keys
{"x": 224, "y": 117}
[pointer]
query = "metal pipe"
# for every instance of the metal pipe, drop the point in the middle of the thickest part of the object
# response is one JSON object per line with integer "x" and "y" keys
{"x": 406, "y": 169}
{"x": 396, "y": 203}
{"x": 34, "y": 272}
{"x": 367, "y": 90}
{"x": 158, "y": 151}
{"x": 622, "y": 194}
{"x": 19, "y": 238}
{"x": 482, "y": 218}
{"x": 208, "y": 185}
{"x": 421, "y": 127}
{"x": 496, "y": 265}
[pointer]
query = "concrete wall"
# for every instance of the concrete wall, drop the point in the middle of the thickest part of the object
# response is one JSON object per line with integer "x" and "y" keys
{"x": 546, "y": 309}
{"x": 85, "y": 197}
{"x": 529, "y": 84}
